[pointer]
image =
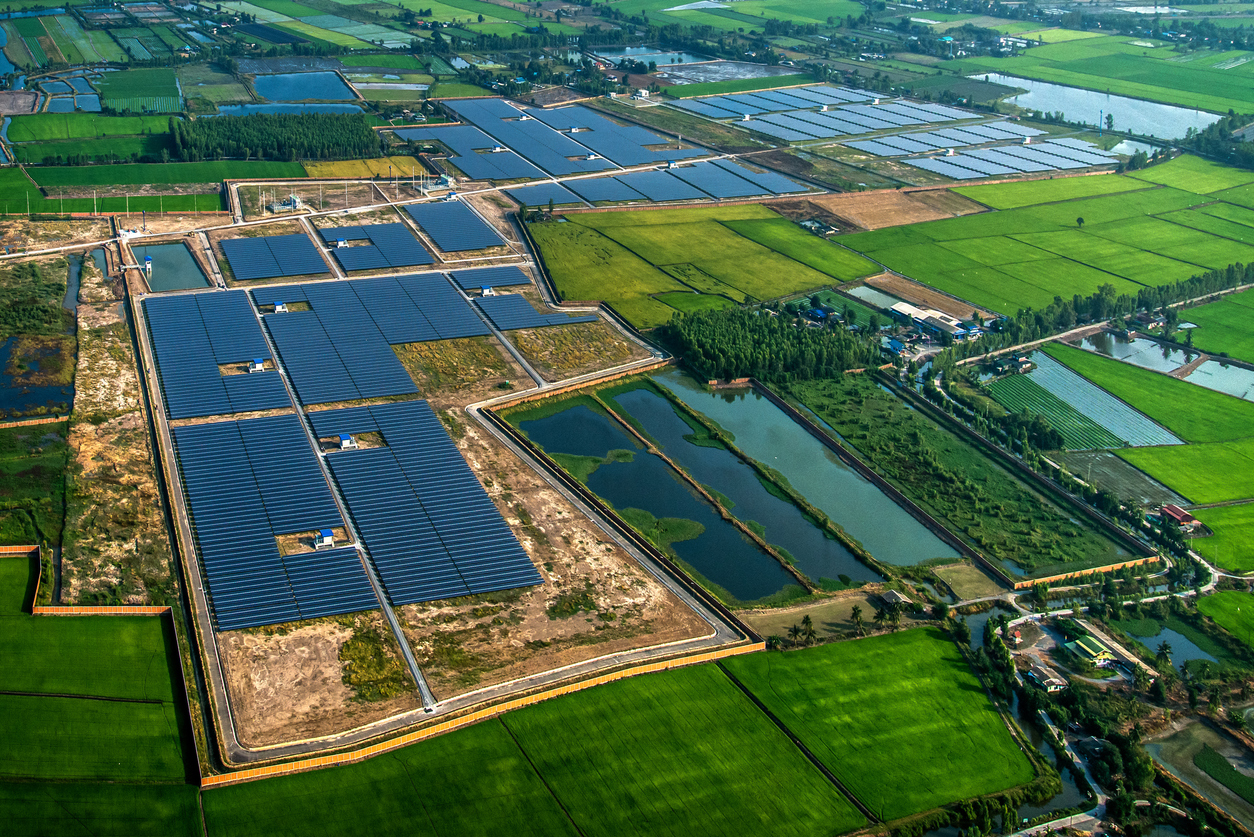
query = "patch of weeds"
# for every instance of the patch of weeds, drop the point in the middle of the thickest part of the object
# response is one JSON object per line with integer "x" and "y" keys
{"x": 372, "y": 668}
{"x": 572, "y": 602}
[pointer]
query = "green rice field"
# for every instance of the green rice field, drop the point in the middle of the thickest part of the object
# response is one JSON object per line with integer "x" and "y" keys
{"x": 681, "y": 752}
{"x": 131, "y": 89}
{"x": 899, "y": 719}
{"x": 1225, "y": 325}
{"x": 1019, "y": 393}
{"x": 165, "y": 173}
{"x": 1233, "y": 611}
{"x": 17, "y": 193}
{"x": 82, "y": 809}
{"x": 65, "y": 126}
{"x": 1232, "y": 544}
{"x": 637, "y": 260}
{"x": 1068, "y": 236}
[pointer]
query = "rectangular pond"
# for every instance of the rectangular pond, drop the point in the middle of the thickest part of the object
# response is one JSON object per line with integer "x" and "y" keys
{"x": 643, "y": 486}
{"x": 1148, "y": 354}
{"x": 765, "y": 433}
{"x": 173, "y": 267}
{"x": 1225, "y": 378}
{"x": 299, "y": 87}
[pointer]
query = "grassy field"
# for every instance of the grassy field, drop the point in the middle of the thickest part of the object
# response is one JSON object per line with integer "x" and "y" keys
{"x": 396, "y": 62}
{"x": 1030, "y": 192}
{"x": 401, "y": 167}
{"x": 1114, "y": 64}
{"x": 1193, "y": 174}
{"x": 77, "y": 809}
{"x": 637, "y": 260}
{"x": 17, "y": 194}
{"x": 63, "y": 126}
{"x": 900, "y": 719}
{"x": 201, "y": 80}
{"x": 1233, "y": 611}
{"x": 967, "y": 491}
{"x": 1018, "y": 393}
{"x": 1232, "y": 545}
{"x": 32, "y": 482}
{"x": 112, "y": 149}
{"x": 163, "y": 173}
{"x": 1224, "y": 325}
{"x": 122, "y": 90}
{"x": 682, "y": 752}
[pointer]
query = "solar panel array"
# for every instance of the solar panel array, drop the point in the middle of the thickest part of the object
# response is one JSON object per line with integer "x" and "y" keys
{"x": 604, "y": 189}
{"x": 247, "y": 482}
{"x": 536, "y": 142}
{"x": 191, "y": 335}
{"x": 511, "y": 311}
{"x": 626, "y": 145}
{"x": 1015, "y": 159}
{"x": 391, "y": 245}
{"x": 466, "y": 142}
{"x": 490, "y": 277}
{"x": 341, "y": 349}
{"x": 716, "y": 181}
{"x": 660, "y": 186}
{"x": 716, "y": 178}
{"x": 896, "y": 145}
{"x": 773, "y": 101}
{"x": 431, "y": 530}
{"x": 541, "y": 193}
{"x": 453, "y": 226}
{"x": 274, "y": 255}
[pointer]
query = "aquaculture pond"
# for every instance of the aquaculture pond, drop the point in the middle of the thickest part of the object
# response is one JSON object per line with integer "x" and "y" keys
{"x": 1221, "y": 377}
{"x": 813, "y": 551}
{"x": 1152, "y": 633}
{"x": 1090, "y": 106}
{"x": 1138, "y": 351}
{"x": 19, "y": 396}
{"x": 173, "y": 268}
{"x": 637, "y": 480}
{"x": 765, "y": 433}
{"x": 298, "y": 87}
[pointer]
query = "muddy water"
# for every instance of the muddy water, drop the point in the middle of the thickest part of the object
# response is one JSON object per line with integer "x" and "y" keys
{"x": 721, "y": 553}
{"x": 768, "y": 435}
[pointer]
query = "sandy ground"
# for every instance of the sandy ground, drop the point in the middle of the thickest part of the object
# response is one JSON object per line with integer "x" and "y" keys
{"x": 121, "y": 546}
{"x": 454, "y": 373}
{"x": 497, "y": 209}
{"x": 13, "y": 102}
{"x": 924, "y": 296}
{"x": 333, "y": 196}
{"x": 874, "y": 210}
{"x": 21, "y": 234}
{"x": 288, "y": 685}
{"x": 969, "y": 582}
{"x": 468, "y": 644}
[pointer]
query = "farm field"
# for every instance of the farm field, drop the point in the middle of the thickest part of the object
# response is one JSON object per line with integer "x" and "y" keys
{"x": 164, "y": 173}
{"x": 103, "y": 810}
{"x": 151, "y": 89}
{"x": 199, "y": 80}
{"x": 985, "y": 504}
{"x": 743, "y": 252}
{"x": 113, "y": 149}
{"x": 1232, "y": 545}
{"x": 1224, "y": 325}
{"x": 900, "y": 719}
{"x": 1113, "y": 63}
{"x": 16, "y": 190}
{"x": 1232, "y": 611}
{"x": 1031, "y": 192}
{"x": 618, "y": 759}
{"x": 1019, "y": 392}
{"x": 400, "y": 166}
{"x": 65, "y": 126}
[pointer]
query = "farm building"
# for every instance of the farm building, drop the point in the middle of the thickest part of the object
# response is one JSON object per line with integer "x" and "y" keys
{"x": 1091, "y": 649}
{"x": 892, "y": 597}
{"x": 929, "y": 320}
{"x": 1047, "y": 678}
{"x": 1183, "y": 519}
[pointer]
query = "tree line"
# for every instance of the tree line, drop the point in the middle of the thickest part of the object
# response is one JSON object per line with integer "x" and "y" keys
{"x": 739, "y": 343}
{"x": 276, "y": 136}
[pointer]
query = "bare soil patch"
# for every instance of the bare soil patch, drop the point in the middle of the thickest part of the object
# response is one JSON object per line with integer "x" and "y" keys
{"x": 498, "y": 210}
{"x": 918, "y": 294}
{"x": 287, "y": 683}
{"x": 14, "y": 102}
{"x": 832, "y": 617}
{"x": 969, "y": 582}
{"x": 556, "y": 96}
{"x": 560, "y": 352}
{"x": 884, "y": 208}
{"x": 595, "y": 599}
{"x": 333, "y": 195}
{"x": 22, "y": 234}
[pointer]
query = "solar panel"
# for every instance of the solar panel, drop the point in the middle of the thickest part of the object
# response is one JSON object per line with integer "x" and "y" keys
{"x": 772, "y": 130}
{"x": 626, "y": 145}
{"x": 660, "y": 186}
{"x": 943, "y": 166}
{"x": 391, "y": 245}
{"x": 541, "y": 193}
{"x": 246, "y": 483}
{"x": 605, "y": 189}
{"x": 270, "y": 256}
{"x": 774, "y": 183}
{"x": 431, "y": 530}
{"x": 1034, "y": 154}
{"x": 790, "y": 122}
{"x": 876, "y": 148}
{"x": 453, "y": 226}
{"x": 548, "y": 149}
{"x": 490, "y": 277}
{"x": 700, "y": 108}
{"x": 716, "y": 181}
{"x": 995, "y": 156}
{"x": 511, "y": 311}
{"x": 907, "y": 145}
{"x": 193, "y": 335}
{"x": 466, "y": 141}
{"x": 982, "y": 166}
{"x": 1081, "y": 145}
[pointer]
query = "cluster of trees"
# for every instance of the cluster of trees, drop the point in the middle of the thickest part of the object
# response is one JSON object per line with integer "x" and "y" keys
{"x": 1217, "y": 140}
{"x": 739, "y": 343}
{"x": 276, "y": 136}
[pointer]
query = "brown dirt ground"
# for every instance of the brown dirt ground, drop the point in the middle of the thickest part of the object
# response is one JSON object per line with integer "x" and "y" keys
{"x": 120, "y": 544}
{"x": 454, "y": 373}
{"x": 569, "y": 351}
{"x": 333, "y": 196}
{"x": 386, "y": 215}
{"x": 20, "y": 233}
{"x": 137, "y": 190}
{"x": 497, "y": 209}
{"x": 94, "y": 287}
{"x": 472, "y": 643}
{"x": 920, "y": 295}
{"x": 556, "y": 96}
{"x": 875, "y": 210}
{"x": 288, "y": 685}
{"x": 13, "y": 102}
{"x": 831, "y": 616}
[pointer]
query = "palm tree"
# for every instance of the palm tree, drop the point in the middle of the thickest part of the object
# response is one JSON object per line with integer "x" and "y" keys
{"x": 807, "y": 629}
{"x": 1164, "y": 653}
{"x": 794, "y": 633}
{"x": 855, "y": 616}
{"x": 880, "y": 617}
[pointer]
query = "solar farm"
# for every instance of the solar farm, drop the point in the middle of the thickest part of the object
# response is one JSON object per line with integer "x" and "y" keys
{"x": 388, "y": 245}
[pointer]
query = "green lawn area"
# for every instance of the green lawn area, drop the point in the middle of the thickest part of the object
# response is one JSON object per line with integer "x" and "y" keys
{"x": 164, "y": 173}
{"x": 900, "y": 719}
{"x": 1029, "y": 192}
{"x": 62, "y": 126}
{"x": 630, "y": 259}
{"x": 1225, "y": 325}
{"x": 1232, "y": 545}
{"x": 1233, "y": 611}
{"x": 740, "y": 85}
{"x": 77, "y": 809}
{"x": 396, "y": 62}
{"x": 681, "y": 752}
{"x": 1193, "y": 174}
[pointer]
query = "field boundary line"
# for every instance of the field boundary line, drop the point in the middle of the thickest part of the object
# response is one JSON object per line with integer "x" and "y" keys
{"x": 254, "y": 773}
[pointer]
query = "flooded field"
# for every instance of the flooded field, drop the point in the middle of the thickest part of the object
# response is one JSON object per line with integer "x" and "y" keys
{"x": 1138, "y": 351}
{"x": 768, "y": 435}
{"x": 1177, "y": 751}
{"x": 299, "y": 87}
{"x": 173, "y": 268}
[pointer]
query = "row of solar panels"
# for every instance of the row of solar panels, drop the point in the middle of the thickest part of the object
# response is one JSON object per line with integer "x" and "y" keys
{"x": 1013, "y": 159}
{"x": 276, "y": 255}
{"x": 511, "y": 311}
{"x": 466, "y": 141}
{"x": 852, "y": 120}
{"x": 453, "y": 226}
{"x": 898, "y": 144}
{"x": 192, "y": 336}
{"x": 246, "y": 483}
{"x": 771, "y": 101}
{"x": 391, "y": 245}
{"x": 430, "y": 529}
{"x": 341, "y": 350}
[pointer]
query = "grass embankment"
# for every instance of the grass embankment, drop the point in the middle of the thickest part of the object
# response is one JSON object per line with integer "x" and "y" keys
{"x": 973, "y": 496}
{"x": 636, "y": 260}
{"x": 899, "y": 719}
{"x": 615, "y": 760}
{"x": 1218, "y": 768}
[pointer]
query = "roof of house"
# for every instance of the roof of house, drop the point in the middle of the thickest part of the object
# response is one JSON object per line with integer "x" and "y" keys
{"x": 1178, "y": 514}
